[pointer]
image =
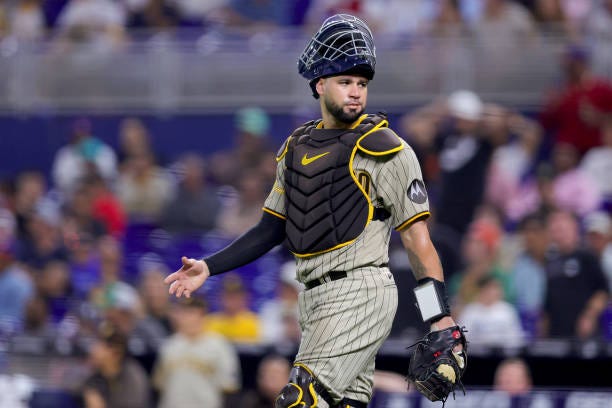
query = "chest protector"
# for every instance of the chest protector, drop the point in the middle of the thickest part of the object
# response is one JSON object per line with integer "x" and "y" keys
{"x": 327, "y": 207}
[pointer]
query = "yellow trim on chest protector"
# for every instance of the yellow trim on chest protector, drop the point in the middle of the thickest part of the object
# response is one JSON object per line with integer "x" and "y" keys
{"x": 284, "y": 151}
{"x": 326, "y": 250}
{"x": 271, "y": 212}
{"x": 352, "y": 171}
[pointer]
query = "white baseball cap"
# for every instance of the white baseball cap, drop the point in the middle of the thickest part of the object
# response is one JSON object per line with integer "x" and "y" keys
{"x": 465, "y": 105}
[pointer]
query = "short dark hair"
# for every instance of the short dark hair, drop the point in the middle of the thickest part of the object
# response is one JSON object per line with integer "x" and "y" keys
{"x": 232, "y": 283}
{"x": 193, "y": 302}
{"x": 532, "y": 218}
{"x": 486, "y": 280}
{"x": 110, "y": 335}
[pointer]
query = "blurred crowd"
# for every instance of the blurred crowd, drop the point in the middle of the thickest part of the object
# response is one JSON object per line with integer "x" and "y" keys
{"x": 64, "y": 244}
{"x": 112, "y": 21}
{"x": 521, "y": 219}
{"x": 522, "y": 208}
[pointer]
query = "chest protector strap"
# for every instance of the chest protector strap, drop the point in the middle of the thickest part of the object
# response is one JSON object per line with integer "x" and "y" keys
{"x": 327, "y": 208}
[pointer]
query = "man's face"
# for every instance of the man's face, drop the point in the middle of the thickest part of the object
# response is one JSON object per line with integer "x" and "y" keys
{"x": 563, "y": 231}
{"x": 513, "y": 378}
{"x": 573, "y": 68}
{"x": 272, "y": 377}
{"x": 344, "y": 96}
{"x": 534, "y": 237}
{"x": 188, "y": 320}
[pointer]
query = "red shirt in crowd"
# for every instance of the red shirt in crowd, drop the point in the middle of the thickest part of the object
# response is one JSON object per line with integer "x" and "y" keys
{"x": 108, "y": 210}
{"x": 563, "y": 115}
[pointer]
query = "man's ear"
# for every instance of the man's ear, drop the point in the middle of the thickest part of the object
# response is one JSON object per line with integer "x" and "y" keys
{"x": 320, "y": 86}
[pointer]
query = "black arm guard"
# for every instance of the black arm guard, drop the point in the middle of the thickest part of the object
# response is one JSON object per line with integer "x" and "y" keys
{"x": 268, "y": 233}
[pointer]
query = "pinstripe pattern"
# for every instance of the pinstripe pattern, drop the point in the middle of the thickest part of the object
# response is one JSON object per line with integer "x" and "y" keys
{"x": 343, "y": 325}
{"x": 344, "y": 322}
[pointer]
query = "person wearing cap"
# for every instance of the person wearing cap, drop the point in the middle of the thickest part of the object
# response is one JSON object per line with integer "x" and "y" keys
{"x": 343, "y": 183}
{"x": 83, "y": 155}
{"x": 117, "y": 380}
{"x": 576, "y": 288}
{"x": 451, "y": 133}
{"x": 234, "y": 320}
{"x": 575, "y": 111}
{"x": 195, "y": 368}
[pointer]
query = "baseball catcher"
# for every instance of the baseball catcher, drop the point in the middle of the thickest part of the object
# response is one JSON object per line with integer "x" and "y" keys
{"x": 343, "y": 183}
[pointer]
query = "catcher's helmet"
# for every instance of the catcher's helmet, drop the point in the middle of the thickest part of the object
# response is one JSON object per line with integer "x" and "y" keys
{"x": 343, "y": 44}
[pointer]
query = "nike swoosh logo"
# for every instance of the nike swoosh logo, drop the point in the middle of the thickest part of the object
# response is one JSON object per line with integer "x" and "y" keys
{"x": 307, "y": 160}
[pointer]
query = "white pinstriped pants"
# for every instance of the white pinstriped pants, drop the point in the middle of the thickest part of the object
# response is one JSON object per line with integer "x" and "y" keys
{"x": 344, "y": 323}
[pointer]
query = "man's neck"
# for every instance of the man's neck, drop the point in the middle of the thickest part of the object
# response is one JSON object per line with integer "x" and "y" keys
{"x": 192, "y": 335}
{"x": 329, "y": 122}
{"x": 111, "y": 370}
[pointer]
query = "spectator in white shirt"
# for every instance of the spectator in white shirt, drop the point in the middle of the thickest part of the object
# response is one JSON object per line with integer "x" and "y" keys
{"x": 492, "y": 321}
{"x": 85, "y": 154}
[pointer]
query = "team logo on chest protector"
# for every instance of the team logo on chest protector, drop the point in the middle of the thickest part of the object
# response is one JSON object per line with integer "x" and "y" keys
{"x": 327, "y": 206}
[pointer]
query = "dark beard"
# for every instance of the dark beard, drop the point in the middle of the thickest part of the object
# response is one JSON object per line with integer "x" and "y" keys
{"x": 341, "y": 116}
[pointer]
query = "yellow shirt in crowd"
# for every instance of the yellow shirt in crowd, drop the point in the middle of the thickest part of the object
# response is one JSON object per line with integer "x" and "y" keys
{"x": 240, "y": 328}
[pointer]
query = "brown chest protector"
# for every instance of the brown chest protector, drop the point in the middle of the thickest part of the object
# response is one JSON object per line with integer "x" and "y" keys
{"x": 327, "y": 208}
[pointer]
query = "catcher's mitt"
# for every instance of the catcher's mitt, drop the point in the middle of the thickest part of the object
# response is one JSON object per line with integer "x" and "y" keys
{"x": 435, "y": 369}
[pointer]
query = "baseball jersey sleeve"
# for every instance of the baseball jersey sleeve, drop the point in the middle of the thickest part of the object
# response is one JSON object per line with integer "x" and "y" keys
{"x": 275, "y": 204}
{"x": 400, "y": 185}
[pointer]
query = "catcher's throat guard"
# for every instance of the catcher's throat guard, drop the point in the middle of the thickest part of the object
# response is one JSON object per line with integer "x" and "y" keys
{"x": 438, "y": 362}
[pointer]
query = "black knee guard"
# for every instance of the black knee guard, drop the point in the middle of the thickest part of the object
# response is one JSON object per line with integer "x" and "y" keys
{"x": 300, "y": 392}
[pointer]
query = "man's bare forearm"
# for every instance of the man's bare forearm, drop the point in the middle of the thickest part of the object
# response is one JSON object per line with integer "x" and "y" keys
{"x": 596, "y": 304}
{"x": 424, "y": 261}
{"x": 422, "y": 254}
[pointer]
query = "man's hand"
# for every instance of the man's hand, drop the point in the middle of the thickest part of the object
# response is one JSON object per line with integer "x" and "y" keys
{"x": 435, "y": 368}
{"x": 586, "y": 325}
{"x": 189, "y": 278}
{"x": 445, "y": 323}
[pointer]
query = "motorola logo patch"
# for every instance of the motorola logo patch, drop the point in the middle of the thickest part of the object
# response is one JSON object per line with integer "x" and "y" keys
{"x": 417, "y": 192}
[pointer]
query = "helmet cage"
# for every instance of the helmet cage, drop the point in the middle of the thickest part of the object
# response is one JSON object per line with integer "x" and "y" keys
{"x": 342, "y": 42}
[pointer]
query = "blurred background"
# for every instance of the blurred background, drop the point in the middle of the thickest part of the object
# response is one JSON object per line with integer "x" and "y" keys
{"x": 133, "y": 132}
